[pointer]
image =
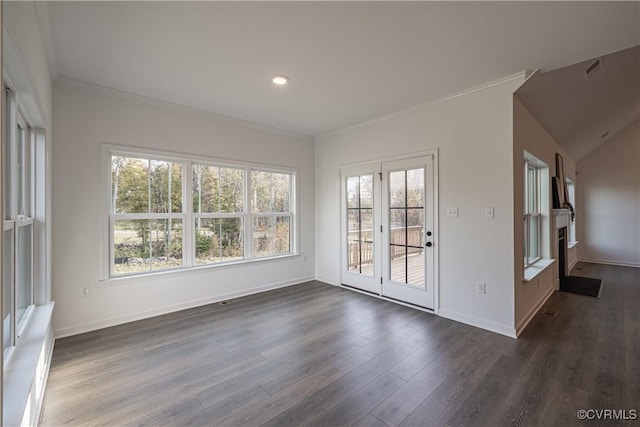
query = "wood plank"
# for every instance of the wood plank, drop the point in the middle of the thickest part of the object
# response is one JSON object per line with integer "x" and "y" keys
{"x": 314, "y": 353}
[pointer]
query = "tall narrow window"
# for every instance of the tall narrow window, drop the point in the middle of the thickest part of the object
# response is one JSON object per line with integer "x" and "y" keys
{"x": 146, "y": 218}
{"x": 18, "y": 224}
{"x": 271, "y": 213}
{"x": 532, "y": 215}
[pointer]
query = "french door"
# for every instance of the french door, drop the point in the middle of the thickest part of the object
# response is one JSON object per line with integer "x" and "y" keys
{"x": 389, "y": 229}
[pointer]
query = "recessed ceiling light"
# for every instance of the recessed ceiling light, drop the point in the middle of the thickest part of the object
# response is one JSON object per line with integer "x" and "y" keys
{"x": 280, "y": 80}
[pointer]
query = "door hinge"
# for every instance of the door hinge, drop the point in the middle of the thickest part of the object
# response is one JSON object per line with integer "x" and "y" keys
{"x": 380, "y": 174}
{"x": 381, "y": 229}
{"x": 381, "y": 280}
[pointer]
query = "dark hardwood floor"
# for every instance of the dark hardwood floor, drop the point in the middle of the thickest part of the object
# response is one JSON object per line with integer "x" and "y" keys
{"x": 315, "y": 354}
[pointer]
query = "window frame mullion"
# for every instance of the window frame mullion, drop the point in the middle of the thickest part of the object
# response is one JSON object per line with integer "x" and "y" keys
{"x": 248, "y": 222}
{"x": 188, "y": 226}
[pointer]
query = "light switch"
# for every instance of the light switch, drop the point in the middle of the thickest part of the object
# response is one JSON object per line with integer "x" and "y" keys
{"x": 452, "y": 212}
{"x": 489, "y": 213}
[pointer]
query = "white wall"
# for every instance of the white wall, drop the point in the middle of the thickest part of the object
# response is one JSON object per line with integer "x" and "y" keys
{"x": 529, "y": 135}
{"x": 473, "y": 133}
{"x": 608, "y": 199}
{"x": 84, "y": 117}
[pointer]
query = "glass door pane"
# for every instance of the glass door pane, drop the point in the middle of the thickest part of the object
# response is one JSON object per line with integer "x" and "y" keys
{"x": 406, "y": 226}
{"x": 360, "y": 255}
{"x": 360, "y": 251}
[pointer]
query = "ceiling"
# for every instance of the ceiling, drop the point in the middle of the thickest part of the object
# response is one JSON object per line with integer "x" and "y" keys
{"x": 582, "y": 113}
{"x": 348, "y": 62}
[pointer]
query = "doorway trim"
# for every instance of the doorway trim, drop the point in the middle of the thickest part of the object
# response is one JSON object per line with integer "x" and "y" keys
{"x": 436, "y": 225}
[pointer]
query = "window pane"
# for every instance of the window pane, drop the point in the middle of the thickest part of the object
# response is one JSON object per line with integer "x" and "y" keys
{"x": 397, "y": 189}
{"x": 19, "y": 179}
{"x": 166, "y": 243}
{"x": 7, "y": 280}
{"x": 353, "y": 224}
{"x": 415, "y": 187}
{"x": 24, "y": 267}
{"x": 131, "y": 246}
{"x": 270, "y": 191}
{"x": 532, "y": 189}
{"x": 534, "y": 227}
{"x": 217, "y": 189}
{"x": 526, "y": 239}
{"x": 143, "y": 245}
{"x": 9, "y": 180}
{"x": 130, "y": 185}
{"x": 353, "y": 192}
{"x": 165, "y": 186}
{"x": 397, "y": 218}
{"x": 271, "y": 236}
{"x": 218, "y": 240}
{"x": 398, "y": 256}
{"x": 231, "y": 190}
{"x": 366, "y": 191}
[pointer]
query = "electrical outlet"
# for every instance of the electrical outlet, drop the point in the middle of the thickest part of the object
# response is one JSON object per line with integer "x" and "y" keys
{"x": 452, "y": 212}
{"x": 489, "y": 212}
{"x": 84, "y": 291}
{"x": 481, "y": 287}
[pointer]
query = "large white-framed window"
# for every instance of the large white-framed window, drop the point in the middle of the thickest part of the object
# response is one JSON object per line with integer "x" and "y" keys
{"x": 18, "y": 223}
{"x": 170, "y": 211}
{"x": 532, "y": 214}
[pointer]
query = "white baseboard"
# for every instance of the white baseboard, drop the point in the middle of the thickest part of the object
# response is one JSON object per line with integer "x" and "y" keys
{"x": 118, "y": 320}
{"x": 609, "y": 262}
{"x": 477, "y": 322}
{"x": 573, "y": 264}
{"x": 327, "y": 280}
{"x": 524, "y": 322}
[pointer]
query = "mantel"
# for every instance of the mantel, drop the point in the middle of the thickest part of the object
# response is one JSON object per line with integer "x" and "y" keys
{"x": 561, "y": 217}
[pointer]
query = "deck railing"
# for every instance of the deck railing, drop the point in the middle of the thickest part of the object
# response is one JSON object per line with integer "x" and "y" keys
{"x": 413, "y": 237}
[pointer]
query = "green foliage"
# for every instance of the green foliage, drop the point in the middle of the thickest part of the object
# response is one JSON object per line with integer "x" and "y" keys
{"x": 145, "y": 186}
{"x": 203, "y": 243}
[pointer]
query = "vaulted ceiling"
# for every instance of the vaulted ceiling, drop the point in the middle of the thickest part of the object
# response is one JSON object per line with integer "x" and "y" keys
{"x": 583, "y": 110}
{"x": 348, "y": 62}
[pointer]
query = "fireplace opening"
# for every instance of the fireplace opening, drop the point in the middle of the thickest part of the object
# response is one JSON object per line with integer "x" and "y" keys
{"x": 562, "y": 253}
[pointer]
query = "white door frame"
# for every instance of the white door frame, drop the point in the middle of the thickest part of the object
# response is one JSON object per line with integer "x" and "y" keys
{"x": 353, "y": 169}
{"x": 363, "y": 282}
{"x": 422, "y": 297}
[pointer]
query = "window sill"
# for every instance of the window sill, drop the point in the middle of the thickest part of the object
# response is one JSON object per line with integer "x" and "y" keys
{"x": 534, "y": 270}
{"x": 571, "y": 245}
{"x": 117, "y": 280}
{"x": 22, "y": 369}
